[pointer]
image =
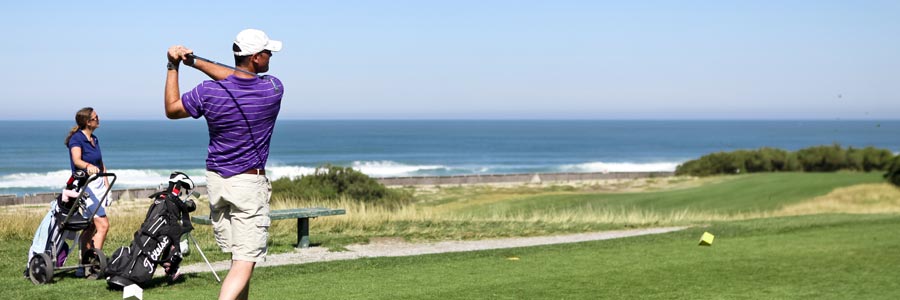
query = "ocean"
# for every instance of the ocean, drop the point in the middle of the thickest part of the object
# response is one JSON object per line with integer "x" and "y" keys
{"x": 33, "y": 157}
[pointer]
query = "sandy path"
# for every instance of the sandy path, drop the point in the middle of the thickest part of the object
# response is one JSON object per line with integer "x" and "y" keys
{"x": 398, "y": 247}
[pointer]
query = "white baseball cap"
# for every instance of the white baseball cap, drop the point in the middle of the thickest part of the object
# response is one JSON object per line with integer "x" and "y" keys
{"x": 253, "y": 41}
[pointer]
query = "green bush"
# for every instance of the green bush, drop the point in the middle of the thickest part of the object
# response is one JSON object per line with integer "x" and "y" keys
{"x": 876, "y": 159}
{"x": 813, "y": 159}
{"x": 893, "y": 171}
{"x": 710, "y": 164}
{"x": 333, "y": 183}
{"x": 823, "y": 158}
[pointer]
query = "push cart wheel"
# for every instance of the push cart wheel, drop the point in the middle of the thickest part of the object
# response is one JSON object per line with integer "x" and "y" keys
{"x": 96, "y": 264}
{"x": 40, "y": 268}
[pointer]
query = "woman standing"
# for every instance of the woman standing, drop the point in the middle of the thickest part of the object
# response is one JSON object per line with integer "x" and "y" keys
{"x": 84, "y": 152}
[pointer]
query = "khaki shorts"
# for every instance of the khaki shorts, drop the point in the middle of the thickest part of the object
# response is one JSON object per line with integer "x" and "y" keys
{"x": 239, "y": 210}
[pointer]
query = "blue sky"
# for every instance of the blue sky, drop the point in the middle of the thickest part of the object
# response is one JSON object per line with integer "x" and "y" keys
{"x": 472, "y": 59}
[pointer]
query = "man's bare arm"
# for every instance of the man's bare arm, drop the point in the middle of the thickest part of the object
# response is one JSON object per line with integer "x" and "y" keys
{"x": 172, "y": 97}
{"x": 214, "y": 71}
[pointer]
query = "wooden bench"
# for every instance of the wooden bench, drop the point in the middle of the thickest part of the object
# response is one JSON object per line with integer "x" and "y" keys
{"x": 301, "y": 214}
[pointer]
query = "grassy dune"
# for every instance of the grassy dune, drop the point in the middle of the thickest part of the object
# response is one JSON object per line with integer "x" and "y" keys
{"x": 766, "y": 245}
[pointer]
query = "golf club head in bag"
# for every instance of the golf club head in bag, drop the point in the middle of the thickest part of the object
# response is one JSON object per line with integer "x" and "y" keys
{"x": 181, "y": 185}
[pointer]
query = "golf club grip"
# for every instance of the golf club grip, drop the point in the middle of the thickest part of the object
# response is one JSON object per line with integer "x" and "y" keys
{"x": 210, "y": 61}
{"x": 191, "y": 55}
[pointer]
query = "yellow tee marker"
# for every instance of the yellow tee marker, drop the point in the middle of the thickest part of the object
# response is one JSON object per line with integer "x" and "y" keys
{"x": 707, "y": 239}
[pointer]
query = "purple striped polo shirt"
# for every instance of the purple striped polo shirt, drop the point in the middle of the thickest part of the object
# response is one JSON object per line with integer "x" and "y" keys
{"x": 240, "y": 114}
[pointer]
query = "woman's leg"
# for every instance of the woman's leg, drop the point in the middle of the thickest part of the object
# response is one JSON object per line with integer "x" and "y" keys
{"x": 85, "y": 238}
{"x": 101, "y": 226}
{"x": 84, "y": 244}
{"x": 100, "y": 222}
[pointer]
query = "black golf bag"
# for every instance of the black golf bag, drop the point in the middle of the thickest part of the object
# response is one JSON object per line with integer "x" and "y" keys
{"x": 157, "y": 242}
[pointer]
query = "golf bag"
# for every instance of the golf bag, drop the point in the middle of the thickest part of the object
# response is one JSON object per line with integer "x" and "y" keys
{"x": 157, "y": 242}
{"x": 46, "y": 238}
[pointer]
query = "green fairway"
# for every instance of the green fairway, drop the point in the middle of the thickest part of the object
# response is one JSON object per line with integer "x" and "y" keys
{"x": 824, "y": 256}
{"x": 746, "y": 193}
{"x": 808, "y": 257}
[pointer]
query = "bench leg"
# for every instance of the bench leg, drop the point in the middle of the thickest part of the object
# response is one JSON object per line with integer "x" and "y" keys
{"x": 302, "y": 232}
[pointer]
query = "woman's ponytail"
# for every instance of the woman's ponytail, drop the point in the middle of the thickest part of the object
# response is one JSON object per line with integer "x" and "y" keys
{"x": 81, "y": 119}
{"x": 71, "y": 132}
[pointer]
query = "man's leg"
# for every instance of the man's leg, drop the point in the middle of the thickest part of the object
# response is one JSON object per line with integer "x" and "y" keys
{"x": 237, "y": 282}
{"x": 219, "y": 210}
{"x": 249, "y": 224}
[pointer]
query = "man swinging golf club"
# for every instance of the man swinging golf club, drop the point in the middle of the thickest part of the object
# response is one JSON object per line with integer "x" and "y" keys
{"x": 240, "y": 110}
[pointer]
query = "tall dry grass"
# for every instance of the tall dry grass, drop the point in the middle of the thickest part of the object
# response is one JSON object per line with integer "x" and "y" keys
{"x": 858, "y": 199}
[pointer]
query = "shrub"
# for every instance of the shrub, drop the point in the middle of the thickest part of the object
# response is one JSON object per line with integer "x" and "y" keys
{"x": 893, "y": 171}
{"x": 876, "y": 159}
{"x": 823, "y": 158}
{"x": 333, "y": 183}
{"x": 813, "y": 159}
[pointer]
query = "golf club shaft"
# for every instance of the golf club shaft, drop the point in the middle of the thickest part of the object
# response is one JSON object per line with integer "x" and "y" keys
{"x": 220, "y": 64}
{"x": 190, "y": 237}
